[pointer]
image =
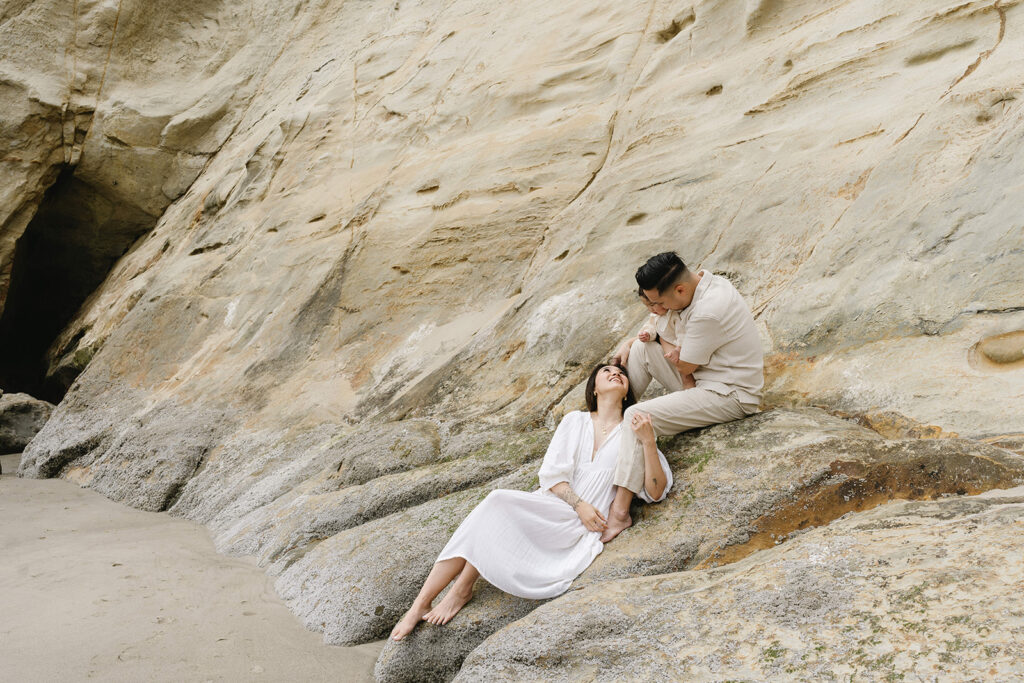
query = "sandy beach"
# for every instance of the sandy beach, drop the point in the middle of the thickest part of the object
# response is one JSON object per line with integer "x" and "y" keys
{"x": 94, "y": 590}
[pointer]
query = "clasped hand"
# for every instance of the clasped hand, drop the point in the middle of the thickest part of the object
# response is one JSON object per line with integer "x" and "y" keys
{"x": 592, "y": 519}
{"x": 642, "y": 427}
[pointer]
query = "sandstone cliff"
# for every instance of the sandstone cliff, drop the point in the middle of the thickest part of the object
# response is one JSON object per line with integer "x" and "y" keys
{"x": 318, "y": 274}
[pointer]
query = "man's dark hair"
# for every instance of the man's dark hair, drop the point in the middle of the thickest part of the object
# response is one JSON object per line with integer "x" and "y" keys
{"x": 661, "y": 271}
{"x": 627, "y": 400}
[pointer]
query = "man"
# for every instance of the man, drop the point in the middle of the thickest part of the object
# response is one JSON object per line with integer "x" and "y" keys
{"x": 718, "y": 345}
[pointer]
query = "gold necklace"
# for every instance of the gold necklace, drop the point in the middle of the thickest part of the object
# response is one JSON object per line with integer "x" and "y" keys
{"x": 604, "y": 428}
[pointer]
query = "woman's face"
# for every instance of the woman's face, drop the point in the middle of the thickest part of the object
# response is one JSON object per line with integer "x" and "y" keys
{"x": 611, "y": 380}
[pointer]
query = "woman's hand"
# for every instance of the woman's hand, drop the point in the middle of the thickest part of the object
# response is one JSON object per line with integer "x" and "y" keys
{"x": 588, "y": 514}
{"x": 643, "y": 428}
{"x": 591, "y": 518}
{"x": 622, "y": 355}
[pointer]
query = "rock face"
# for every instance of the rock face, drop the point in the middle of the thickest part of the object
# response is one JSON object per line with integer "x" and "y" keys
{"x": 741, "y": 487}
{"x": 330, "y": 211}
{"x": 922, "y": 590}
{"x": 21, "y": 418}
{"x": 324, "y": 254}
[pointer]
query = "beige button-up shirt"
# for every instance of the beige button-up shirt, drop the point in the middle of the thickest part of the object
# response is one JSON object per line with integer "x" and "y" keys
{"x": 718, "y": 333}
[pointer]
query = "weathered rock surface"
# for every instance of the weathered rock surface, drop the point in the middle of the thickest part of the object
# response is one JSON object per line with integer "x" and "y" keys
{"x": 332, "y": 233}
{"x": 21, "y": 418}
{"x": 348, "y": 194}
{"x": 741, "y": 487}
{"x": 907, "y": 591}
{"x": 332, "y": 500}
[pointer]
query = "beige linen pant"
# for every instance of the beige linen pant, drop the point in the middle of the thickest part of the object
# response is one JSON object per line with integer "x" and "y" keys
{"x": 672, "y": 413}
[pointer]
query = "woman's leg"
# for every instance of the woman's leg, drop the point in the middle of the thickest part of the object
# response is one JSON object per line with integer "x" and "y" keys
{"x": 455, "y": 599}
{"x": 440, "y": 576}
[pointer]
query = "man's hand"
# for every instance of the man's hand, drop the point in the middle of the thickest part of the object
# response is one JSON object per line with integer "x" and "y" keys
{"x": 689, "y": 382}
{"x": 673, "y": 355}
{"x": 591, "y": 518}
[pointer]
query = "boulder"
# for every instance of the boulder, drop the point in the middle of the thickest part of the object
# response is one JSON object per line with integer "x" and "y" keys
{"x": 21, "y": 418}
{"x": 924, "y": 590}
{"x": 740, "y": 487}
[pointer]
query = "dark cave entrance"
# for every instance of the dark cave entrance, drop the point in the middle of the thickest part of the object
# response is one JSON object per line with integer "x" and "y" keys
{"x": 67, "y": 250}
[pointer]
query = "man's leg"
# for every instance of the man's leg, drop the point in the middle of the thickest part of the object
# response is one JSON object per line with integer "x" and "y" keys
{"x": 646, "y": 362}
{"x": 670, "y": 414}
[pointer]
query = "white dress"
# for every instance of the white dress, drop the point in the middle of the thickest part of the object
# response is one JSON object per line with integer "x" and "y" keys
{"x": 532, "y": 544}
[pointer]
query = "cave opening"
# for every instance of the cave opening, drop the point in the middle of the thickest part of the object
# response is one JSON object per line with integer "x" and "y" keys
{"x": 76, "y": 236}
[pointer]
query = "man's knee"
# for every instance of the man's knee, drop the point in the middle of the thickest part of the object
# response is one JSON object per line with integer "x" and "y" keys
{"x": 643, "y": 346}
{"x": 627, "y": 416}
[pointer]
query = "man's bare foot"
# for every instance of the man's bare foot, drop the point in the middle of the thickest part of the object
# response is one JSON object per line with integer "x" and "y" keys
{"x": 409, "y": 621}
{"x": 617, "y": 522}
{"x": 449, "y": 606}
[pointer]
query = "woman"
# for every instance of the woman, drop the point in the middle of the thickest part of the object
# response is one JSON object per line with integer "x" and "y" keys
{"x": 534, "y": 544}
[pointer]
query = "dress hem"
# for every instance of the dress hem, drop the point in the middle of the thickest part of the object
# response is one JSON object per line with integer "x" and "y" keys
{"x": 599, "y": 548}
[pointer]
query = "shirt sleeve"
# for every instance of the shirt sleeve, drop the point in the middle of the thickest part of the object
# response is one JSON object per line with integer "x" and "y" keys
{"x": 559, "y": 458}
{"x": 678, "y": 328}
{"x": 702, "y": 338}
{"x": 668, "y": 481}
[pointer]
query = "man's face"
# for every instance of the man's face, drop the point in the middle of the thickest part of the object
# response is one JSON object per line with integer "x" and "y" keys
{"x": 675, "y": 298}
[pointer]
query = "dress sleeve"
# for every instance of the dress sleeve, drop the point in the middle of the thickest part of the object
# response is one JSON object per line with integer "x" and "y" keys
{"x": 668, "y": 482}
{"x": 559, "y": 461}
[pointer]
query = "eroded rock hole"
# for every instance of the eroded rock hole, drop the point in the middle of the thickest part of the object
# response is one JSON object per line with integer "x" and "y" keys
{"x": 67, "y": 250}
{"x": 677, "y": 25}
{"x": 998, "y": 352}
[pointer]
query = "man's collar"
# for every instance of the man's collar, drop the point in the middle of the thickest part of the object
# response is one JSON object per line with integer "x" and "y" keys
{"x": 702, "y": 286}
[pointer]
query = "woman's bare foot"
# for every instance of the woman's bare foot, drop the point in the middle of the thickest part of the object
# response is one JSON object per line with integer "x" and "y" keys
{"x": 409, "y": 621}
{"x": 617, "y": 522}
{"x": 449, "y": 606}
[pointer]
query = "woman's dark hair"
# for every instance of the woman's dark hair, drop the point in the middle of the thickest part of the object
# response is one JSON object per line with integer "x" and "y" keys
{"x": 661, "y": 271}
{"x": 591, "y": 398}
{"x": 640, "y": 293}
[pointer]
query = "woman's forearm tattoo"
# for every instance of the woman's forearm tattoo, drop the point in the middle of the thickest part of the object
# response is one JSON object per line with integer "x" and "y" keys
{"x": 569, "y": 496}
